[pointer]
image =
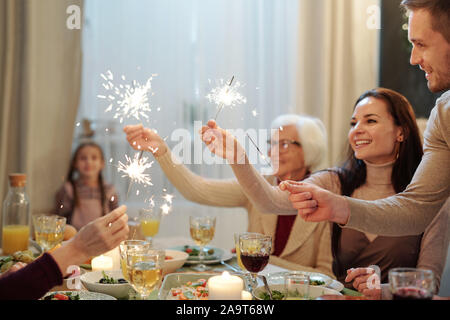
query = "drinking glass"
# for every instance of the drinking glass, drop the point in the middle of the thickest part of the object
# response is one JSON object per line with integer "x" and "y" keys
{"x": 411, "y": 284}
{"x": 145, "y": 269}
{"x": 202, "y": 232}
{"x": 126, "y": 245}
{"x": 255, "y": 252}
{"x": 49, "y": 230}
{"x": 149, "y": 222}
{"x": 296, "y": 286}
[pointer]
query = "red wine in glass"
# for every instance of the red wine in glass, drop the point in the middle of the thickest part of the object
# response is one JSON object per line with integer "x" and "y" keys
{"x": 254, "y": 262}
{"x": 412, "y": 293}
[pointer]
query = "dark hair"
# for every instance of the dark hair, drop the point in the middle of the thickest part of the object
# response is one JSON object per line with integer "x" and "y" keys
{"x": 439, "y": 10}
{"x": 353, "y": 173}
{"x": 73, "y": 170}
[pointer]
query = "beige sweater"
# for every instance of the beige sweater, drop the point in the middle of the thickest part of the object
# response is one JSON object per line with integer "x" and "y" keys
{"x": 409, "y": 212}
{"x": 309, "y": 245}
{"x": 433, "y": 246}
{"x": 406, "y": 213}
{"x": 268, "y": 199}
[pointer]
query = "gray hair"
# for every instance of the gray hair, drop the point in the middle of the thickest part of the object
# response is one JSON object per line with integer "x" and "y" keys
{"x": 312, "y": 135}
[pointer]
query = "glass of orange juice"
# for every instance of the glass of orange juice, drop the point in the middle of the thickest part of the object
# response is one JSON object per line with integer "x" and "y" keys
{"x": 15, "y": 238}
{"x": 149, "y": 222}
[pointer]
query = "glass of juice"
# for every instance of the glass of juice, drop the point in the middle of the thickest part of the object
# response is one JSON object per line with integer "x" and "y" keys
{"x": 15, "y": 238}
{"x": 145, "y": 269}
{"x": 149, "y": 221}
{"x": 49, "y": 230}
{"x": 411, "y": 284}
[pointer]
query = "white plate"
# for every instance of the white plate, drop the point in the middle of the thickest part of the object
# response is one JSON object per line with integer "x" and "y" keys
{"x": 314, "y": 291}
{"x": 224, "y": 255}
{"x": 86, "y": 295}
{"x": 278, "y": 277}
{"x": 336, "y": 285}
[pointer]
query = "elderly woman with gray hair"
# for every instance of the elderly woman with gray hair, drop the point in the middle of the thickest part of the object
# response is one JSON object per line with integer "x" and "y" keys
{"x": 298, "y": 145}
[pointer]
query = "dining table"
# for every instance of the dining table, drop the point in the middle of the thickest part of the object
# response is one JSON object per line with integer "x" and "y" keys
{"x": 229, "y": 263}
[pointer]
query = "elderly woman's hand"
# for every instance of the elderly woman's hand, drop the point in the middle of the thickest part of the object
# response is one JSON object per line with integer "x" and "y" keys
{"x": 222, "y": 143}
{"x": 141, "y": 138}
{"x": 366, "y": 281}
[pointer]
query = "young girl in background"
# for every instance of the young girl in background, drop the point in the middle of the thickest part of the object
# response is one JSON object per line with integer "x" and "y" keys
{"x": 85, "y": 196}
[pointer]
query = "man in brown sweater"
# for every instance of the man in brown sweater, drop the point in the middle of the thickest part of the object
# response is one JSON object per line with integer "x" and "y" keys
{"x": 409, "y": 212}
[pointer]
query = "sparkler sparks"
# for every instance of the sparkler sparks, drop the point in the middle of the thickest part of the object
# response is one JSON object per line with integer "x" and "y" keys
{"x": 165, "y": 208}
{"x": 226, "y": 95}
{"x": 128, "y": 100}
{"x": 135, "y": 169}
{"x": 168, "y": 198}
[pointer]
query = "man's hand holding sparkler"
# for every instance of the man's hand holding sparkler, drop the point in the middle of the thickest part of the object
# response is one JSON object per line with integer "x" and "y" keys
{"x": 146, "y": 139}
{"x": 223, "y": 143}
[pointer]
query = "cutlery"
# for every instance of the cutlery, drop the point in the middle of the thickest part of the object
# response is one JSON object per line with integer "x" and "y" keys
{"x": 230, "y": 267}
{"x": 266, "y": 285}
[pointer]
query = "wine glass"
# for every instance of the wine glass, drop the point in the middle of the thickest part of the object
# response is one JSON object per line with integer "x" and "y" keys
{"x": 149, "y": 222}
{"x": 255, "y": 251}
{"x": 411, "y": 284}
{"x": 126, "y": 245}
{"x": 145, "y": 269}
{"x": 252, "y": 281}
{"x": 49, "y": 230}
{"x": 202, "y": 231}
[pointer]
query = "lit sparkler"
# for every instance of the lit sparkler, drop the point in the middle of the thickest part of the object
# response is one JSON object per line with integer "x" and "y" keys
{"x": 127, "y": 100}
{"x": 135, "y": 169}
{"x": 226, "y": 95}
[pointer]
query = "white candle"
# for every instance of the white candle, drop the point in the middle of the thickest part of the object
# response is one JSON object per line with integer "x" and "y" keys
{"x": 102, "y": 263}
{"x": 245, "y": 295}
{"x": 225, "y": 287}
{"x": 114, "y": 254}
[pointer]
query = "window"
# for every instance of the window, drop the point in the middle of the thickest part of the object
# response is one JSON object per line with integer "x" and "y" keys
{"x": 187, "y": 44}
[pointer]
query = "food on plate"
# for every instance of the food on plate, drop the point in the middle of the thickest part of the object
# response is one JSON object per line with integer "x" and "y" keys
{"x": 62, "y": 296}
{"x": 277, "y": 295}
{"x": 190, "y": 291}
{"x": 316, "y": 282}
{"x": 168, "y": 258}
{"x": 69, "y": 232}
{"x": 20, "y": 256}
{"x": 110, "y": 280}
{"x": 193, "y": 252}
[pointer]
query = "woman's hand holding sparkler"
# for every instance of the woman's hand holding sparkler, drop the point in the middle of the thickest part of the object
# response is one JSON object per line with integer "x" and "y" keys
{"x": 146, "y": 139}
{"x": 223, "y": 143}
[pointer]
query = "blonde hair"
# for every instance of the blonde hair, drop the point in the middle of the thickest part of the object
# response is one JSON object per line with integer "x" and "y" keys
{"x": 312, "y": 135}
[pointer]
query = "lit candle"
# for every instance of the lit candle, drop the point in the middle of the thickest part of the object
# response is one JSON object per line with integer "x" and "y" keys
{"x": 245, "y": 295}
{"x": 114, "y": 254}
{"x": 225, "y": 287}
{"x": 102, "y": 263}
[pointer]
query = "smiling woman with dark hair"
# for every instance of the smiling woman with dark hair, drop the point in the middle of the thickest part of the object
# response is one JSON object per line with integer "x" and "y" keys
{"x": 384, "y": 151}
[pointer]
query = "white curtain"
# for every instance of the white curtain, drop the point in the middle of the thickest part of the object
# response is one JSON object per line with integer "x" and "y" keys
{"x": 187, "y": 43}
{"x": 40, "y": 87}
{"x": 338, "y": 61}
{"x": 306, "y": 56}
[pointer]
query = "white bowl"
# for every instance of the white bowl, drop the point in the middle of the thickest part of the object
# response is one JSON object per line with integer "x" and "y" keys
{"x": 314, "y": 291}
{"x": 91, "y": 281}
{"x": 177, "y": 261}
